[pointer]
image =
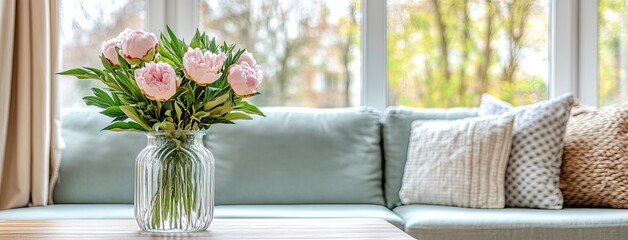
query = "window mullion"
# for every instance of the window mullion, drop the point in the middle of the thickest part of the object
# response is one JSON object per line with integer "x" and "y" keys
{"x": 374, "y": 75}
{"x": 564, "y": 47}
{"x": 185, "y": 17}
{"x": 588, "y": 52}
{"x": 156, "y": 12}
{"x": 180, "y": 15}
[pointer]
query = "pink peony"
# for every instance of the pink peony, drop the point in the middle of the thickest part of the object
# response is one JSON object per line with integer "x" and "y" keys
{"x": 158, "y": 81}
{"x": 126, "y": 32}
{"x": 203, "y": 67}
{"x": 108, "y": 48}
{"x": 248, "y": 58}
{"x": 244, "y": 78}
{"x": 139, "y": 46}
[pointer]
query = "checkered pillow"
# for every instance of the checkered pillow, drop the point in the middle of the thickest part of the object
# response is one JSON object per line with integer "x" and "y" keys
{"x": 533, "y": 171}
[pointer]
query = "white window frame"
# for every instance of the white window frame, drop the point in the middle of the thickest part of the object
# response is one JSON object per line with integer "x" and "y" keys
{"x": 180, "y": 15}
{"x": 374, "y": 55}
{"x": 573, "y": 45}
{"x": 588, "y": 90}
{"x": 574, "y": 48}
{"x": 563, "y": 47}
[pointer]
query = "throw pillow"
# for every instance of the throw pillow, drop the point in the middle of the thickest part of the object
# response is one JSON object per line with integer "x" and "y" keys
{"x": 458, "y": 163}
{"x": 595, "y": 162}
{"x": 533, "y": 171}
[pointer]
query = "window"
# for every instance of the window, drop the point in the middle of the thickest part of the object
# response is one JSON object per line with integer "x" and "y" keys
{"x": 309, "y": 50}
{"x": 613, "y": 52}
{"x": 446, "y": 53}
{"x": 85, "y": 24}
{"x": 423, "y": 53}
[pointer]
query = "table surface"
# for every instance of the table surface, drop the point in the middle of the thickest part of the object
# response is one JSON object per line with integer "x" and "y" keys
{"x": 219, "y": 229}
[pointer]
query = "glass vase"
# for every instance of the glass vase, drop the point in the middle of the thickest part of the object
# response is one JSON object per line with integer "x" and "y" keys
{"x": 174, "y": 183}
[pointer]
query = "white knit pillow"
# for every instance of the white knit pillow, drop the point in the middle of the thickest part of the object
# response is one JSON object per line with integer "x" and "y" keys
{"x": 458, "y": 163}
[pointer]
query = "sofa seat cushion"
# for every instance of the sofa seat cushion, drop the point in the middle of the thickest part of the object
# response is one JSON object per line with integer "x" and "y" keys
{"x": 125, "y": 211}
{"x": 309, "y": 211}
{"x": 429, "y": 222}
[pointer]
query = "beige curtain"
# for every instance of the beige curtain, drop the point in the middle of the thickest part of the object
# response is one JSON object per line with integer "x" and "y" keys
{"x": 29, "y": 155}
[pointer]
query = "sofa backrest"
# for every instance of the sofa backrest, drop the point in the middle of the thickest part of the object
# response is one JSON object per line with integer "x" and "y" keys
{"x": 396, "y": 134}
{"x": 96, "y": 166}
{"x": 292, "y": 156}
{"x": 299, "y": 156}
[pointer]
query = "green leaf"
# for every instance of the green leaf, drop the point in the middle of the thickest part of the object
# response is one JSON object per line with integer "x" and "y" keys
{"x": 106, "y": 63}
{"x": 209, "y": 92}
{"x": 132, "y": 113}
{"x": 96, "y": 71}
{"x": 178, "y": 111}
{"x": 113, "y": 111}
{"x": 201, "y": 114}
{"x": 176, "y": 45}
{"x": 166, "y": 53}
{"x": 104, "y": 96}
{"x": 125, "y": 126}
{"x": 246, "y": 107}
{"x": 167, "y": 125}
{"x": 119, "y": 118}
{"x": 179, "y": 92}
{"x": 128, "y": 86}
{"x": 212, "y": 45}
{"x": 238, "y": 54}
{"x": 156, "y": 126}
{"x": 196, "y": 40}
{"x": 237, "y": 116}
{"x": 221, "y": 98}
{"x": 222, "y": 110}
{"x": 116, "y": 99}
{"x": 80, "y": 73}
{"x": 121, "y": 61}
{"x": 169, "y": 61}
{"x": 109, "y": 81}
{"x": 95, "y": 101}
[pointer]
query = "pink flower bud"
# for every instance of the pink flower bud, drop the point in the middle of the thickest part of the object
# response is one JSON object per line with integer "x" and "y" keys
{"x": 248, "y": 58}
{"x": 139, "y": 46}
{"x": 108, "y": 48}
{"x": 158, "y": 81}
{"x": 244, "y": 78}
{"x": 122, "y": 35}
{"x": 203, "y": 67}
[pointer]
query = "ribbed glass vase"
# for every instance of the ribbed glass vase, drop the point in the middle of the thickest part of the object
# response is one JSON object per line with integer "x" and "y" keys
{"x": 174, "y": 183}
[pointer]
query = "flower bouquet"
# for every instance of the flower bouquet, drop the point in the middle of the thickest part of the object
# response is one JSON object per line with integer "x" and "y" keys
{"x": 173, "y": 91}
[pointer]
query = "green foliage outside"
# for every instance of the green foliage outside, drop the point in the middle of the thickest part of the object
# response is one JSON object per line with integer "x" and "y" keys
{"x": 307, "y": 48}
{"x": 613, "y": 51}
{"x": 446, "y": 53}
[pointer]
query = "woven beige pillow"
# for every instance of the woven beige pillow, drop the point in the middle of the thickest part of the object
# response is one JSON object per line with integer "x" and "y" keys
{"x": 595, "y": 160}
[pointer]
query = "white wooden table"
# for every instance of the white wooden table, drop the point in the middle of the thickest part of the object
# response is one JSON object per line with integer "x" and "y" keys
{"x": 219, "y": 229}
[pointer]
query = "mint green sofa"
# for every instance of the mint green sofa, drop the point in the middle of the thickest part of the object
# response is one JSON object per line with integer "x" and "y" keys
{"x": 303, "y": 163}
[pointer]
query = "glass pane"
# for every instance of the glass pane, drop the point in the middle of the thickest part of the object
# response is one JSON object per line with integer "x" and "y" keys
{"x": 309, "y": 50}
{"x": 613, "y": 52}
{"x": 85, "y": 24}
{"x": 446, "y": 53}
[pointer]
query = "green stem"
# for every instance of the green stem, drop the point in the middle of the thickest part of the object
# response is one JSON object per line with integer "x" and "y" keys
{"x": 176, "y": 197}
